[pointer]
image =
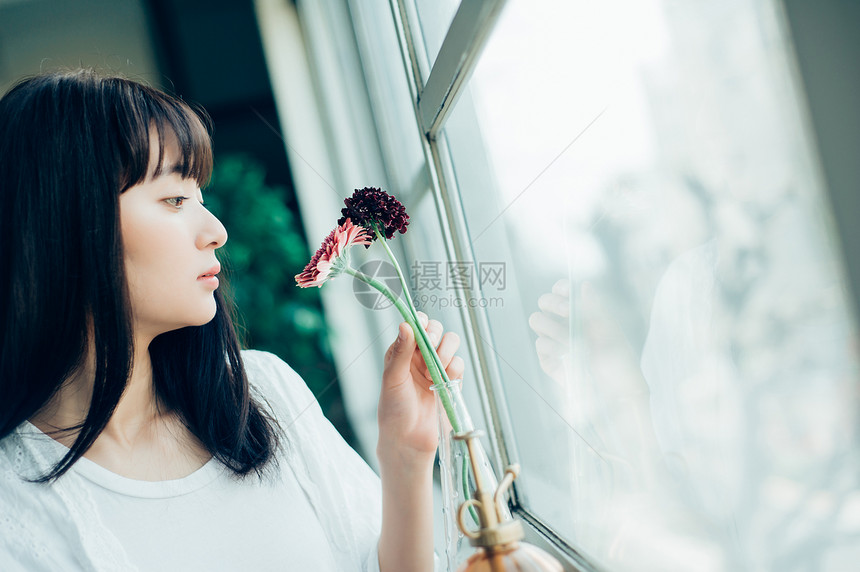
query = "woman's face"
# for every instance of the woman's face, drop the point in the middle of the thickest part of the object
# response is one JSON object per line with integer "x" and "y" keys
{"x": 169, "y": 239}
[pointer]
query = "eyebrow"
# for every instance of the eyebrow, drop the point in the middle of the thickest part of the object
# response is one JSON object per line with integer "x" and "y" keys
{"x": 167, "y": 169}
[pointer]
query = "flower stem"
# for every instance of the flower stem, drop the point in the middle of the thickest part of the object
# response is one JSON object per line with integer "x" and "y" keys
{"x": 431, "y": 358}
{"x": 412, "y": 308}
{"x": 427, "y": 351}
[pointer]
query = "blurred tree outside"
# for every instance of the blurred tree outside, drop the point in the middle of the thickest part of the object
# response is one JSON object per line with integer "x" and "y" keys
{"x": 266, "y": 248}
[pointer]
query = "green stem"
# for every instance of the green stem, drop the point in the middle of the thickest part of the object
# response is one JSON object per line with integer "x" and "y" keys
{"x": 412, "y": 308}
{"x": 403, "y": 284}
{"x": 431, "y": 358}
{"x": 427, "y": 351}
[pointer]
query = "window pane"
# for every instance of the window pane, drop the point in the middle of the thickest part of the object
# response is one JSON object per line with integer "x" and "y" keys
{"x": 674, "y": 340}
{"x": 390, "y": 100}
{"x": 435, "y": 17}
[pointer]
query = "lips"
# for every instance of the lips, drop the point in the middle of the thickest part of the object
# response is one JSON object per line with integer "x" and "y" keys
{"x": 211, "y": 272}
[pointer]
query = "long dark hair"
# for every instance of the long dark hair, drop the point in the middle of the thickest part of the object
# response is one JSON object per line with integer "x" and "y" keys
{"x": 70, "y": 144}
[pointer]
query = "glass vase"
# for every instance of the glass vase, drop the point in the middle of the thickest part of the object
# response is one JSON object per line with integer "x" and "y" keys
{"x": 458, "y": 480}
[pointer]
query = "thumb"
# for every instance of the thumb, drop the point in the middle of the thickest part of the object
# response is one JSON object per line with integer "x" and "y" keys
{"x": 400, "y": 354}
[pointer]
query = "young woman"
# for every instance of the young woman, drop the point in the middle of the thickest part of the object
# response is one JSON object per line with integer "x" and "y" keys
{"x": 134, "y": 433}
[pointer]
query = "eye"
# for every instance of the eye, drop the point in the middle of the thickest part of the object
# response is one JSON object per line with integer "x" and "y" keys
{"x": 176, "y": 201}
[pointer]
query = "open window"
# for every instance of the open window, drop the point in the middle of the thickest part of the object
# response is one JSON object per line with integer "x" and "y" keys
{"x": 621, "y": 207}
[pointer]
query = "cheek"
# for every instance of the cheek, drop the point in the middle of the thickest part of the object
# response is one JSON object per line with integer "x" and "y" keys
{"x": 152, "y": 254}
{"x": 143, "y": 255}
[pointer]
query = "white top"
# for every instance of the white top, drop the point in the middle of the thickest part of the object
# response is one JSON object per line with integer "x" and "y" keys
{"x": 320, "y": 511}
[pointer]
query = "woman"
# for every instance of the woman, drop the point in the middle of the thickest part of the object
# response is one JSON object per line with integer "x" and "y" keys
{"x": 134, "y": 433}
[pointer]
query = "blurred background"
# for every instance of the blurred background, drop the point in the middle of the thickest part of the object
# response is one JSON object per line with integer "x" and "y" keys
{"x": 208, "y": 53}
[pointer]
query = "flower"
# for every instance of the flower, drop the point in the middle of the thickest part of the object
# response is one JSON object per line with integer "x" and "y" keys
{"x": 375, "y": 209}
{"x": 331, "y": 258}
{"x": 374, "y": 213}
{"x": 377, "y": 213}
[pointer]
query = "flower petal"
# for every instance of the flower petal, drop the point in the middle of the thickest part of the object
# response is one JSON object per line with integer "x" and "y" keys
{"x": 325, "y": 262}
{"x": 371, "y": 207}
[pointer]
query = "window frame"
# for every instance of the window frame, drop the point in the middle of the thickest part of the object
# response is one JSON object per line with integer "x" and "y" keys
{"x": 435, "y": 90}
{"x": 303, "y": 43}
{"x": 433, "y": 101}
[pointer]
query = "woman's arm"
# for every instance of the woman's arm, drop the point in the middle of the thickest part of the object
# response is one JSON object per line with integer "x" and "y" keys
{"x": 408, "y": 436}
{"x": 406, "y": 540}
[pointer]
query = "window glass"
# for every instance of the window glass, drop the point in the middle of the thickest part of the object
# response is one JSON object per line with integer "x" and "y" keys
{"x": 390, "y": 100}
{"x": 673, "y": 337}
{"x": 435, "y": 18}
{"x": 421, "y": 251}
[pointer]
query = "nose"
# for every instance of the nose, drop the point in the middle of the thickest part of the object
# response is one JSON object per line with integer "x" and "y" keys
{"x": 212, "y": 234}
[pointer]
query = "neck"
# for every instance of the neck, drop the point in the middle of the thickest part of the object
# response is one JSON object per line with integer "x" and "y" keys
{"x": 136, "y": 413}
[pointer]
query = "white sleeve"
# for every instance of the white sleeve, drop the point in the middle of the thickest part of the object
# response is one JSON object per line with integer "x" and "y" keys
{"x": 49, "y": 527}
{"x": 344, "y": 491}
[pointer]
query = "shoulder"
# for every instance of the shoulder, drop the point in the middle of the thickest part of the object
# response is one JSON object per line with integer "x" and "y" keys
{"x": 265, "y": 364}
{"x": 266, "y": 371}
{"x": 277, "y": 384}
{"x": 27, "y": 453}
{"x": 35, "y": 520}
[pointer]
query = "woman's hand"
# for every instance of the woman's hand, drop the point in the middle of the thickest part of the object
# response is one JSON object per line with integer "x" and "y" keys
{"x": 408, "y": 435}
{"x": 552, "y": 326}
{"x": 408, "y": 431}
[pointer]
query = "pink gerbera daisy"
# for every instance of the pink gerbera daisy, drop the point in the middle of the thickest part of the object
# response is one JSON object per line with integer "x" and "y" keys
{"x": 332, "y": 256}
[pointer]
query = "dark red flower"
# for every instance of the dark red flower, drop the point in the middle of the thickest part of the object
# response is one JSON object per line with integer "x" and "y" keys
{"x": 374, "y": 208}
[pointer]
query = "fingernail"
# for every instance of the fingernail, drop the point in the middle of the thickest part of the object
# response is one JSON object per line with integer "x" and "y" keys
{"x": 401, "y": 335}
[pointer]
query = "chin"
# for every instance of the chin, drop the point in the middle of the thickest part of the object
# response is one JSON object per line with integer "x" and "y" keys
{"x": 205, "y": 318}
{"x": 195, "y": 320}
{"x": 184, "y": 316}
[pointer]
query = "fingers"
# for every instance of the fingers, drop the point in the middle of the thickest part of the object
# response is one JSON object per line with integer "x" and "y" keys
{"x": 555, "y": 304}
{"x": 551, "y": 325}
{"x": 543, "y": 325}
{"x": 434, "y": 334}
{"x": 422, "y": 317}
{"x": 562, "y": 288}
{"x": 456, "y": 368}
{"x": 548, "y": 347}
{"x": 446, "y": 346}
{"x": 398, "y": 358}
{"x": 446, "y": 350}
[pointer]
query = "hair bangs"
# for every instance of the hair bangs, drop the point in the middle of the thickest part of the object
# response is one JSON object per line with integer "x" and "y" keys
{"x": 174, "y": 125}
